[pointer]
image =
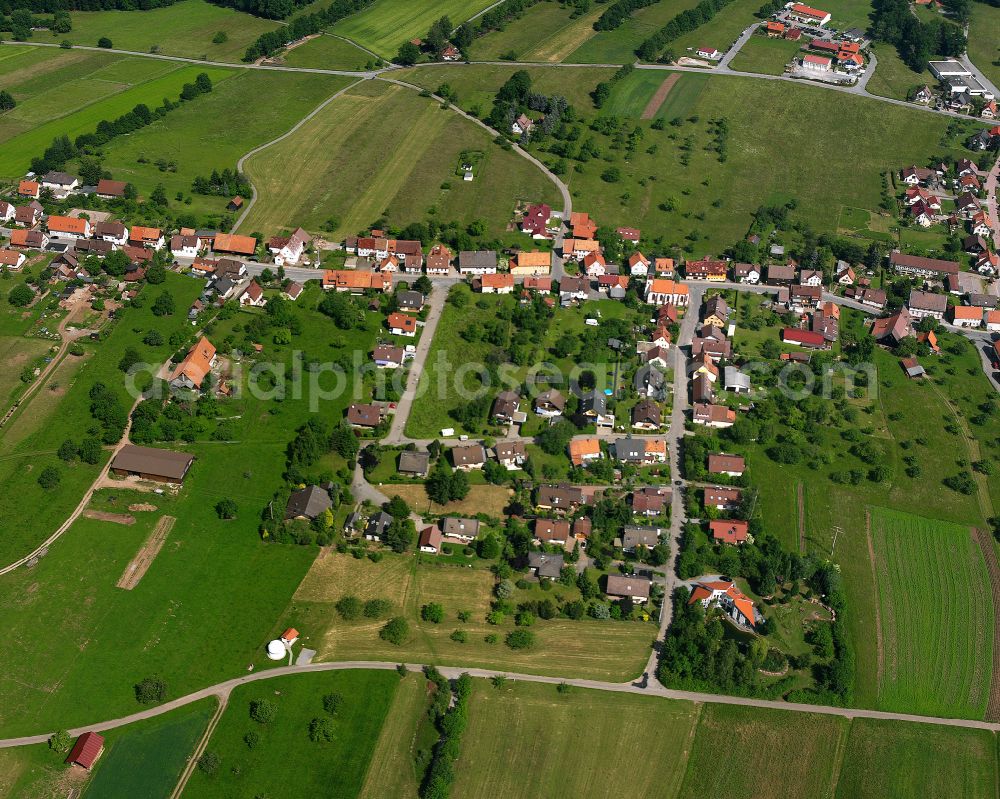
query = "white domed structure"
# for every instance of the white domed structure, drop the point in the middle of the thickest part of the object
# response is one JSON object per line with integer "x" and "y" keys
{"x": 276, "y": 650}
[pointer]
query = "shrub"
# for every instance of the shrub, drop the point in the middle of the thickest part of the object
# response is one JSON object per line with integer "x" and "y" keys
{"x": 60, "y": 741}
{"x": 332, "y": 703}
{"x": 20, "y": 295}
{"x": 377, "y": 608}
{"x": 459, "y": 636}
{"x": 209, "y": 762}
{"x": 105, "y": 42}
{"x": 520, "y": 639}
{"x": 349, "y": 607}
{"x": 263, "y": 711}
{"x": 395, "y": 631}
{"x": 150, "y": 690}
{"x": 432, "y": 612}
{"x": 321, "y": 730}
{"x": 226, "y": 509}
{"x": 251, "y": 739}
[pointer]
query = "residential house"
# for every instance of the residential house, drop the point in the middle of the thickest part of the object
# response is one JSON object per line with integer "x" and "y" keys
{"x": 387, "y": 356}
{"x": 559, "y": 498}
{"x": 550, "y": 403}
{"x": 923, "y": 303}
{"x": 804, "y": 298}
{"x": 594, "y": 265}
{"x": 732, "y": 465}
{"x": 543, "y": 564}
{"x": 253, "y": 296}
{"x": 703, "y": 365}
{"x": 540, "y": 285}
{"x": 966, "y": 316}
{"x": 646, "y": 415}
{"x": 615, "y": 285}
{"x": 69, "y": 227}
{"x": 638, "y": 264}
{"x": 378, "y": 524}
{"x": 715, "y": 349}
{"x": 401, "y": 324}
{"x": 191, "y": 372}
{"x": 12, "y": 260}
{"x": 184, "y": 246}
{"x": 151, "y": 237}
{"x": 29, "y": 239}
{"x": 505, "y": 407}
{"x": 535, "y": 221}
{"x": 292, "y": 291}
{"x": 716, "y": 311}
{"x": 430, "y": 540}
{"x": 7, "y": 211}
{"x": 467, "y": 457}
{"x": 650, "y": 501}
{"x": 578, "y": 249}
{"x": 729, "y": 531}
{"x": 629, "y": 234}
{"x": 464, "y": 530}
{"x": 498, "y": 283}
{"x": 715, "y": 271}
{"x": 721, "y": 498}
{"x": 727, "y": 596}
{"x": 581, "y": 225}
{"x": 993, "y": 321}
{"x": 28, "y": 215}
{"x": 746, "y": 273}
{"x": 288, "y": 250}
{"x": 413, "y": 463}
{"x": 709, "y": 415}
{"x": 573, "y": 289}
{"x": 638, "y": 589}
{"x": 29, "y": 188}
{"x": 551, "y": 531}
{"x": 308, "y": 503}
{"x": 439, "y": 261}
{"x": 365, "y": 415}
{"x": 657, "y": 356}
{"x": 478, "y": 262}
{"x": 702, "y": 389}
{"x": 59, "y": 183}
{"x": 780, "y": 274}
{"x": 114, "y": 232}
{"x": 511, "y": 454}
{"x": 893, "y": 329}
{"x": 663, "y": 267}
{"x": 811, "y": 277}
{"x": 356, "y": 282}
{"x": 584, "y": 450}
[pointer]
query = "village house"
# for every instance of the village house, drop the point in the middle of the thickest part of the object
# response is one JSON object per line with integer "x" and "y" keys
{"x": 59, "y": 183}
{"x": 559, "y": 498}
{"x": 629, "y": 234}
{"x": 746, "y": 273}
{"x": 616, "y": 286}
{"x": 581, "y": 226}
{"x": 308, "y": 503}
{"x": 663, "y": 291}
{"x": 365, "y": 415}
{"x": 356, "y": 282}
{"x": 511, "y": 455}
{"x": 729, "y": 531}
{"x": 584, "y": 450}
{"x": 710, "y": 415}
{"x": 540, "y": 285}
{"x": 535, "y": 221}
{"x": 460, "y": 529}
{"x": 715, "y": 271}
{"x": 715, "y": 311}
{"x": 430, "y": 540}
{"x": 578, "y": 249}
{"x": 893, "y": 329}
{"x": 966, "y": 316}
{"x": 721, "y": 498}
{"x": 29, "y": 188}
{"x": 253, "y": 296}
{"x": 113, "y": 232}
{"x": 499, "y": 283}
{"x": 377, "y": 525}
{"x": 650, "y": 501}
{"x": 28, "y": 215}
{"x": 594, "y": 265}
{"x": 543, "y": 564}
{"x": 151, "y": 237}
{"x": 637, "y": 589}
{"x": 646, "y": 415}
{"x": 993, "y": 321}
{"x": 467, "y": 457}
{"x": 922, "y": 304}
{"x": 387, "y": 356}
{"x": 401, "y": 324}
{"x": 29, "y": 239}
{"x": 727, "y": 596}
{"x": 731, "y": 465}
{"x": 111, "y": 189}
{"x": 550, "y": 403}
{"x": 551, "y": 531}
{"x": 7, "y": 211}
{"x": 640, "y": 450}
{"x": 439, "y": 261}
{"x": 638, "y": 265}
{"x": 288, "y": 250}
{"x": 413, "y": 463}
{"x": 12, "y": 260}
{"x": 68, "y": 227}
{"x": 191, "y": 372}
{"x": 505, "y": 407}
{"x": 478, "y": 262}
{"x": 531, "y": 263}
{"x": 573, "y": 289}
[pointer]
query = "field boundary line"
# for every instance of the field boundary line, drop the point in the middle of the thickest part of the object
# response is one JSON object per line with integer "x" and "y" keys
{"x": 800, "y": 497}
{"x": 199, "y": 749}
{"x": 987, "y": 547}
{"x": 660, "y": 97}
{"x": 282, "y": 137}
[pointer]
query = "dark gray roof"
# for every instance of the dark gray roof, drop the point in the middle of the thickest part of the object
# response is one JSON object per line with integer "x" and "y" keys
{"x": 310, "y": 502}
{"x": 410, "y": 299}
{"x": 594, "y": 402}
{"x": 546, "y": 564}
{"x": 630, "y": 449}
{"x": 378, "y": 524}
{"x": 477, "y": 259}
{"x": 414, "y": 462}
{"x": 147, "y": 460}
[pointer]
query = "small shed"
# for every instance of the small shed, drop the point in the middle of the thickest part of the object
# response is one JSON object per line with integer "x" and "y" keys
{"x": 87, "y": 749}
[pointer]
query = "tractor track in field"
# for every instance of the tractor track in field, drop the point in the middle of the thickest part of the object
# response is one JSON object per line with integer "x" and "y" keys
{"x": 657, "y": 100}
{"x": 985, "y": 541}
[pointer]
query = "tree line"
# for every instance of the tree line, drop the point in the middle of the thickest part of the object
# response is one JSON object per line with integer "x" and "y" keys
{"x": 685, "y": 22}
{"x": 227, "y": 183}
{"x": 271, "y": 42}
{"x": 62, "y": 149}
{"x": 617, "y": 13}
{"x": 915, "y": 40}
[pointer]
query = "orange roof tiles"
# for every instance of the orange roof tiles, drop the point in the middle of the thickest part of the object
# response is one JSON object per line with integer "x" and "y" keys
{"x": 234, "y": 243}
{"x": 67, "y": 224}
{"x": 197, "y": 363}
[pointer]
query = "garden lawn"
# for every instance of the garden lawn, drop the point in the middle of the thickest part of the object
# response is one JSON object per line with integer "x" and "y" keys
{"x": 580, "y": 743}
{"x": 328, "y": 52}
{"x": 618, "y": 46}
{"x": 145, "y": 760}
{"x": 401, "y": 171}
{"x": 769, "y": 754}
{"x": 198, "y": 142}
{"x": 285, "y": 762}
{"x": 984, "y": 40}
{"x": 183, "y": 29}
{"x": 386, "y": 24}
{"x": 545, "y": 32}
{"x": 936, "y": 616}
{"x": 608, "y": 650}
{"x": 19, "y": 150}
{"x": 893, "y": 78}
{"x": 765, "y": 55}
{"x": 912, "y": 761}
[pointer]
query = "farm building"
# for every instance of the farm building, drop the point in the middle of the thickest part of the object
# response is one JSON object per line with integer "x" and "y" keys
{"x": 87, "y": 749}
{"x": 159, "y": 465}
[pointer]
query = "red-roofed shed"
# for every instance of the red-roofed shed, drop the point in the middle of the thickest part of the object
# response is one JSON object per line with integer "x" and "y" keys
{"x": 86, "y": 750}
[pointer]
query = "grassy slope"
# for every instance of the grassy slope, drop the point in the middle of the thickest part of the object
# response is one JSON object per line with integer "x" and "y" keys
{"x": 984, "y": 40}
{"x": 937, "y": 616}
{"x": 536, "y": 36}
{"x": 352, "y": 162}
{"x": 183, "y": 134}
{"x": 18, "y": 151}
{"x": 285, "y": 762}
{"x": 602, "y": 650}
{"x": 387, "y": 24}
{"x": 618, "y": 46}
{"x": 183, "y": 29}
{"x": 393, "y": 771}
{"x": 765, "y": 754}
{"x": 15, "y": 354}
{"x": 583, "y": 743}
{"x": 911, "y": 761}
{"x": 893, "y": 78}
{"x": 146, "y": 759}
{"x": 328, "y": 52}
{"x": 764, "y": 55}
{"x": 721, "y": 31}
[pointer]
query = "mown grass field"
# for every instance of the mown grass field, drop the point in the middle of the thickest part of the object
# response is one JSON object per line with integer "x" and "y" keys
{"x": 354, "y": 162}
{"x": 198, "y": 142}
{"x": 765, "y": 56}
{"x": 912, "y": 761}
{"x": 936, "y": 616}
{"x": 145, "y": 760}
{"x": 328, "y": 52}
{"x": 719, "y": 32}
{"x": 184, "y": 29}
{"x": 602, "y": 650}
{"x": 893, "y": 78}
{"x": 20, "y": 149}
{"x": 630, "y": 96}
{"x": 849, "y": 14}
{"x": 286, "y": 762}
{"x": 618, "y": 46}
{"x": 393, "y": 771}
{"x": 578, "y": 744}
{"x": 385, "y": 25}
{"x": 545, "y": 32}
{"x": 15, "y": 354}
{"x": 984, "y": 40}
{"x": 768, "y": 755}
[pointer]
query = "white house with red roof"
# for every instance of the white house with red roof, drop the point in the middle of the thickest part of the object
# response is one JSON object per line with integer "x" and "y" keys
{"x": 253, "y": 297}
{"x": 726, "y": 595}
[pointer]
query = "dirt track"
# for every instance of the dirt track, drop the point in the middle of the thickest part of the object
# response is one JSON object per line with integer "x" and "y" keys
{"x": 104, "y": 516}
{"x": 661, "y": 94}
{"x": 150, "y": 549}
